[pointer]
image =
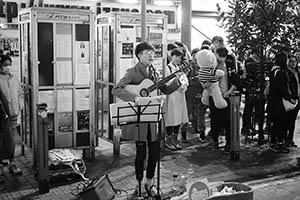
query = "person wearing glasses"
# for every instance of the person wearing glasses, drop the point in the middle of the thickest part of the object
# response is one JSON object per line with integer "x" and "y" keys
{"x": 146, "y": 138}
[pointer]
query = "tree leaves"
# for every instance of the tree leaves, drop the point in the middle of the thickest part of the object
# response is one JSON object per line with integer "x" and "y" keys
{"x": 255, "y": 24}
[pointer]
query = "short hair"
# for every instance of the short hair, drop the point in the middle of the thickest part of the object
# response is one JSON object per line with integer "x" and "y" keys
{"x": 195, "y": 50}
{"x": 206, "y": 42}
{"x": 281, "y": 60}
{"x": 3, "y": 58}
{"x": 171, "y": 46}
{"x": 143, "y": 46}
{"x": 179, "y": 44}
{"x": 222, "y": 51}
{"x": 176, "y": 52}
{"x": 217, "y": 38}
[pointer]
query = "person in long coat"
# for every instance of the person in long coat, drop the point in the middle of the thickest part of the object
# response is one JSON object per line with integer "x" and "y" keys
{"x": 11, "y": 88}
{"x": 175, "y": 107}
{"x": 275, "y": 107}
{"x": 146, "y": 135}
{"x": 6, "y": 139}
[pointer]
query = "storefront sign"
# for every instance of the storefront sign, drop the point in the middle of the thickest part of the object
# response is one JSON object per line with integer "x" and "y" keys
{"x": 11, "y": 10}
{"x": 123, "y": 8}
{"x": 65, "y": 17}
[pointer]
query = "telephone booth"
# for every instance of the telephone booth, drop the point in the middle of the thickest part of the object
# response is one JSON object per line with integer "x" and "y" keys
{"x": 57, "y": 68}
{"x": 117, "y": 34}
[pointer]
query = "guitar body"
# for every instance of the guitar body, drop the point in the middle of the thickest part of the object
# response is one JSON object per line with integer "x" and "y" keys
{"x": 148, "y": 88}
{"x": 144, "y": 85}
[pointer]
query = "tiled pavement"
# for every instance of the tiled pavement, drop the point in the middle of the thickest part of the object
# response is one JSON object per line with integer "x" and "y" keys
{"x": 195, "y": 161}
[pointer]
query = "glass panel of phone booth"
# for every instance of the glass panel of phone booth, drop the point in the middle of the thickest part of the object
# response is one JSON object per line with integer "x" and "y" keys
{"x": 25, "y": 77}
{"x": 105, "y": 75}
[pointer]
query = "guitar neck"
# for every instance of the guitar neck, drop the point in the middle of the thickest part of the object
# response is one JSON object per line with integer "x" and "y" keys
{"x": 162, "y": 81}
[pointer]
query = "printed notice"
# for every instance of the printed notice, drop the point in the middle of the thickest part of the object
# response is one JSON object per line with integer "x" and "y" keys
{"x": 64, "y": 72}
{"x": 64, "y": 46}
{"x": 65, "y": 122}
{"x": 46, "y": 96}
{"x": 82, "y": 74}
{"x": 64, "y": 100}
{"x": 82, "y": 99}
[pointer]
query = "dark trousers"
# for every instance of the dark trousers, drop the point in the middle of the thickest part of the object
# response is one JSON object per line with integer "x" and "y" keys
{"x": 292, "y": 115}
{"x": 250, "y": 103}
{"x": 278, "y": 129}
{"x": 219, "y": 118}
{"x": 141, "y": 151}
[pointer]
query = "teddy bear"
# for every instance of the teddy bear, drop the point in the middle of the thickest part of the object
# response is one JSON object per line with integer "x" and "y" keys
{"x": 208, "y": 73}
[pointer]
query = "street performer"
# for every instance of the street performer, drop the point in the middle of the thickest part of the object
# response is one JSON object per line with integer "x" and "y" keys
{"x": 147, "y": 136}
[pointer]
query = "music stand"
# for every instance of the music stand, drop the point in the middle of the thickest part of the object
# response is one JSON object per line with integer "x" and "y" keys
{"x": 145, "y": 110}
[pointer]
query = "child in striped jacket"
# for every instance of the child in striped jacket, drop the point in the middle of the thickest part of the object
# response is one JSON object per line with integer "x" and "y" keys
{"x": 208, "y": 73}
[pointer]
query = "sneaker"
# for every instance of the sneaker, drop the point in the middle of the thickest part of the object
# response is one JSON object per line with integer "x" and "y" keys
{"x": 274, "y": 147}
{"x": 169, "y": 145}
{"x": 281, "y": 149}
{"x": 151, "y": 190}
{"x": 175, "y": 143}
{"x": 202, "y": 140}
{"x": 177, "y": 146}
{"x": 284, "y": 150}
{"x": 291, "y": 144}
{"x": 143, "y": 191}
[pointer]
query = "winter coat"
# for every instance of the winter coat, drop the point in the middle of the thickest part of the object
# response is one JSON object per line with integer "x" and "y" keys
{"x": 278, "y": 90}
{"x": 175, "y": 106}
{"x": 11, "y": 88}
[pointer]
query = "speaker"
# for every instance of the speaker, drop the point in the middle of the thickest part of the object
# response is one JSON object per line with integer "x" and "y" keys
{"x": 99, "y": 189}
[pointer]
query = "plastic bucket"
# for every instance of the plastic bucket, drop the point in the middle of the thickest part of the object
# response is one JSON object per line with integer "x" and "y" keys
{"x": 243, "y": 192}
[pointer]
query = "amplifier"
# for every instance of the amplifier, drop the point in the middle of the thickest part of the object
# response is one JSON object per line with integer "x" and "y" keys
{"x": 100, "y": 189}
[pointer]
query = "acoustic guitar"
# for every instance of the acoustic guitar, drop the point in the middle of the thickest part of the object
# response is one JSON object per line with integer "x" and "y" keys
{"x": 148, "y": 88}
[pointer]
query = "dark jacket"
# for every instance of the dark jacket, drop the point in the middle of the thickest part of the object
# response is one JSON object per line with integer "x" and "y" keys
{"x": 195, "y": 89}
{"x": 233, "y": 76}
{"x": 278, "y": 90}
{"x": 6, "y": 137}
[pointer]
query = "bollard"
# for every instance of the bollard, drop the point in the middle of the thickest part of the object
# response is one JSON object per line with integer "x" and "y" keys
{"x": 43, "y": 147}
{"x": 117, "y": 141}
{"x": 235, "y": 126}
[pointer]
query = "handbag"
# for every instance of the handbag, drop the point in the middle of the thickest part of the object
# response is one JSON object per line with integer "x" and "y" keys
{"x": 288, "y": 105}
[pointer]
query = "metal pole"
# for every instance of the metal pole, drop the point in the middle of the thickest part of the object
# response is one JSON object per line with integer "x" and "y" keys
{"x": 235, "y": 126}
{"x": 43, "y": 147}
{"x": 186, "y": 10}
{"x": 143, "y": 20}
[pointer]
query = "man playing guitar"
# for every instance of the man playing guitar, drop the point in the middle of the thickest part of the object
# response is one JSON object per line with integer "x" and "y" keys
{"x": 147, "y": 138}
